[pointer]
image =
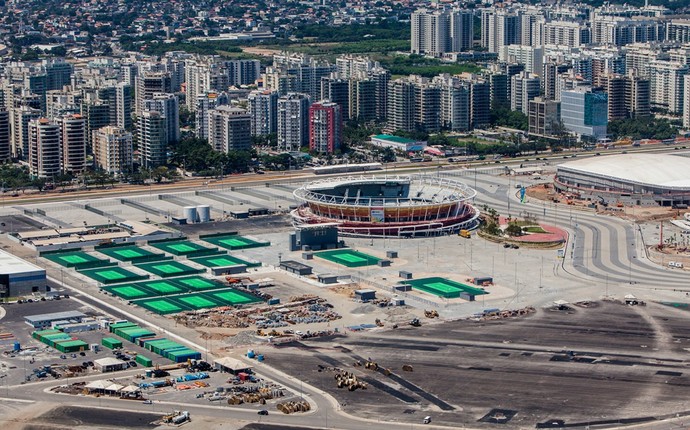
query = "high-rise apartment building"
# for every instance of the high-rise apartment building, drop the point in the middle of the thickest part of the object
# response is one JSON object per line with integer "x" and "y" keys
{"x": 325, "y": 127}
{"x": 437, "y": 31}
{"x": 168, "y": 106}
{"x": 293, "y": 121}
{"x": 400, "y": 105}
{"x": 523, "y": 88}
{"x": 430, "y": 32}
{"x": 58, "y": 73}
{"x": 544, "y": 117}
{"x": 44, "y": 149}
{"x": 667, "y": 85}
{"x": 263, "y": 109}
{"x": 454, "y": 103}
{"x": 362, "y": 99}
{"x": 73, "y": 130}
{"x": 205, "y": 103}
{"x": 230, "y": 129}
{"x": 123, "y": 103}
{"x": 5, "y": 137}
{"x": 500, "y": 27}
{"x": 461, "y": 30}
{"x": 20, "y": 118}
{"x": 112, "y": 150}
{"x": 148, "y": 84}
{"x": 638, "y": 95}
{"x": 152, "y": 136}
{"x": 337, "y": 91}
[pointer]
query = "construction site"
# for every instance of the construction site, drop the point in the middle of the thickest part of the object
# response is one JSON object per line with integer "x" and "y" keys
{"x": 245, "y": 317}
{"x": 491, "y": 370}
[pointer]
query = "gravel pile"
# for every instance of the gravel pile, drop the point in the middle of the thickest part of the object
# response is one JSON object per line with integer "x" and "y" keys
{"x": 243, "y": 338}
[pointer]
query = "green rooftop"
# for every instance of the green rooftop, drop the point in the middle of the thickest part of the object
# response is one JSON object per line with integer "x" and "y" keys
{"x": 392, "y": 138}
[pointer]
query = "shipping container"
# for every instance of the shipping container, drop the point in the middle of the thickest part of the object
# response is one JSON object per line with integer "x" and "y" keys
{"x": 111, "y": 343}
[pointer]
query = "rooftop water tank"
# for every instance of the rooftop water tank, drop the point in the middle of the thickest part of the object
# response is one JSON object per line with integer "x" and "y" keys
{"x": 204, "y": 212}
{"x": 190, "y": 214}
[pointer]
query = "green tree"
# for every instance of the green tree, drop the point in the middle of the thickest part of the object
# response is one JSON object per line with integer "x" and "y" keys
{"x": 514, "y": 229}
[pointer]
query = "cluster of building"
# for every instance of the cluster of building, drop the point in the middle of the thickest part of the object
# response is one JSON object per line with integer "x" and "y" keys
{"x": 572, "y": 67}
{"x": 84, "y": 28}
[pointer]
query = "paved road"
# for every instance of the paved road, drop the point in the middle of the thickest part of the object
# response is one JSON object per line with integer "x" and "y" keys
{"x": 601, "y": 249}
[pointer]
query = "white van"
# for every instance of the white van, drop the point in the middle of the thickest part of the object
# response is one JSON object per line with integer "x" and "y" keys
{"x": 426, "y": 420}
{"x": 671, "y": 264}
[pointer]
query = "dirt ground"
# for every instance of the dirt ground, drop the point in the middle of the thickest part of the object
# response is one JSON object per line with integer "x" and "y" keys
{"x": 599, "y": 362}
{"x": 547, "y": 193}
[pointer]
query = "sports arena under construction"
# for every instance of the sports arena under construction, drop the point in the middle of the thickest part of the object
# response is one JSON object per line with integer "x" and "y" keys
{"x": 390, "y": 206}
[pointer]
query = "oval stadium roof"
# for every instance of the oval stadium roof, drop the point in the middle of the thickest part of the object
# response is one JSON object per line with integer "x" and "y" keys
{"x": 660, "y": 170}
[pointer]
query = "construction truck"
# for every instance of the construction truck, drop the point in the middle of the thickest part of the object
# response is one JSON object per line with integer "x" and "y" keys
{"x": 465, "y": 233}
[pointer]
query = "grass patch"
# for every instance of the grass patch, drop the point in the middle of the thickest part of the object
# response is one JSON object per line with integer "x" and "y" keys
{"x": 534, "y": 229}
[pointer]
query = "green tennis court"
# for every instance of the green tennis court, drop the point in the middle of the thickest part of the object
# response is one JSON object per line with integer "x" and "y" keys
{"x": 166, "y": 269}
{"x": 163, "y": 288}
{"x": 183, "y": 247}
{"x": 113, "y": 275}
{"x": 129, "y": 253}
{"x": 76, "y": 259}
{"x": 196, "y": 301}
{"x": 443, "y": 287}
{"x": 233, "y": 297}
{"x": 348, "y": 257}
{"x": 223, "y": 260}
{"x": 198, "y": 283}
{"x": 160, "y": 306}
{"x": 129, "y": 292}
{"x": 234, "y": 242}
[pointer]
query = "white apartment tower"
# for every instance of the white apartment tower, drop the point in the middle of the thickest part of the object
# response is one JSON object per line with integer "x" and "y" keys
{"x": 5, "y": 141}
{"x": 430, "y": 32}
{"x": 112, "y": 150}
{"x": 44, "y": 148}
{"x": 230, "y": 129}
{"x": 153, "y": 139}
{"x": 168, "y": 106}
{"x": 73, "y": 130}
{"x": 263, "y": 108}
{"x": 148, "y": 84}
{"x": 667, "y": 85}
{"x": 524, "y": 87}
{"x": 293, "y": 121}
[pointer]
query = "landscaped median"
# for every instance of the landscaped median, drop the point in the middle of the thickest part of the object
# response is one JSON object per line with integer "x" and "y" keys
{"x": 533, "y": 234}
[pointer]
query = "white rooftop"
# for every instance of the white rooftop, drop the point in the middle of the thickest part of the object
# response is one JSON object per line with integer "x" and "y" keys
{"x": 232, "y": 363}
{"x": 662, "y": 170}
{"x": 11, "y": 264}
{"x": 108, "y": 361}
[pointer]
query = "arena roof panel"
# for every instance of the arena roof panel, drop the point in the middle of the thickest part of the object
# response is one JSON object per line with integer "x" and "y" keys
{"x": 662, "y": 170}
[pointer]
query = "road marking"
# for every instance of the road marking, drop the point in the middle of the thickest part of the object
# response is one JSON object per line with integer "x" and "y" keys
{"x": 7, "y": 399}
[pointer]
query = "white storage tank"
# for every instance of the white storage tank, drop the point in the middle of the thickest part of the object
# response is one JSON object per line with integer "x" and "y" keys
{"x": 204, "y": 212}
{"x": 190, "y": 214}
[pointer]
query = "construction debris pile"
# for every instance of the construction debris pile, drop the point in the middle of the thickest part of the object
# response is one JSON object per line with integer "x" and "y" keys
{"x": 431, "y": 314}
{"x": 253, "y": 394}
{"x": 292, "y": 407}
{"x": 345, "y": 379}
{"x": 307, "y": 309}
{"x": 497, "y": 314}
